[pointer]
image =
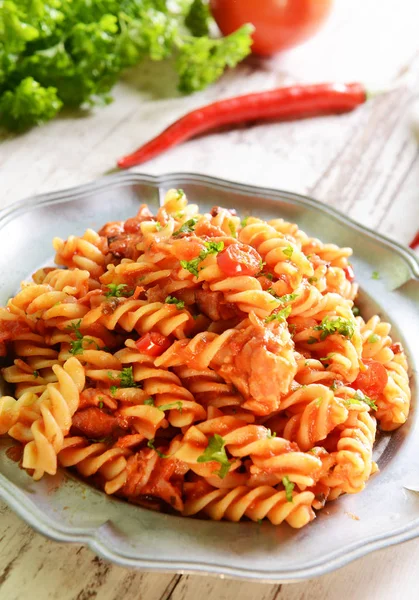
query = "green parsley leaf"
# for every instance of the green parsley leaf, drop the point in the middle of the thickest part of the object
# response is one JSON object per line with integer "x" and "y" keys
{"x": 355, "y": 311}
{"x": 198, "y": 18}
{"x": 178, "y": 303}
{"x": 331, "y": 325}
{"x": 126, "y": 378}
{"x": 312, "y": 280}
{"x": 149, "y": 402}
{"x": 100, "y": 405}
{"x": 333, "y": 387}
{"x": 113, "y": 389}
{"x": 150, "y": 444}
{"x": 283, "y": 299}
{"x": 288, "y": 251}
{"x": 312, "y": 340}
{"x": 280, "y": 316}
{"x": 267, "y": 275}
{"x": 318, "y": 401}
{"x": 243, "y": 222}
{"x": 359, "y": 395}
{"x": 35, "y": 374}
{"x": 187, "y": 227}
{"x": 178, "y": 405}
{"x": 373, "y": 339}
{"x": 210, "y": 248}
{"x": 158, "y": 226}
{"x": 202, "y": 60}
{"x": 180, "y": 193}
{"x": 270, "y": 435}
{"x": 115, "y": 289}
{"x": 289, "y": 486}
{"x": 375, "y": 275}
{"x": 215, "y": 451}
{"x": 232, "y": 229}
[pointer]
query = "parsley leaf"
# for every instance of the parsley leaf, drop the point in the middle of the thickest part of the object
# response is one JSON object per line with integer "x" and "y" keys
{"x": 355, "y": 311}
{"x": 210, "y": 248}
{"x": 35, "y": 374}
{"x": 312, "y": 280}
{"x": 280, "y": 316}
{"x": 76, "y": 346}
{"x": 198, "y": 18}
{"x": 150, "y": 444}
{"x": 270, "y": 435}
{"x": 178, "y": 405}
{"x": 373, "y": 339}
{"x": 202, "y": 60}
{"x": 178, "y": 303}
{"x": 115, "y": 289}
{"x": 331, "y": 325}
{"x": 375, "y": 275}
{"x": 232, "y": 229}
{"x": 289, "y": 486}
{"x": 288, "y": 251}
{"x": 187, "y": 227}
{"x": 149, "y": 402}
{"x": 216, "y": 451}
{"x": 359, "y": 395}
{"x": 283, "y": 299}
{"x": 243, "y": 222}
{"x": 126, "y": 378}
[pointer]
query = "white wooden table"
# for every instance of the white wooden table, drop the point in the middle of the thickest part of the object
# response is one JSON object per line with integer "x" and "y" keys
{"x": 365, "y": 163}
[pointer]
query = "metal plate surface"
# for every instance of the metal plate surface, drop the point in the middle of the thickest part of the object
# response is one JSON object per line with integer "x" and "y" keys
{"x": 67, "y": 509}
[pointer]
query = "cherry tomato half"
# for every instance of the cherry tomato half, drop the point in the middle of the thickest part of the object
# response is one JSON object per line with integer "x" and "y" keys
{"x": 373, "y": 380}
{"x": 239, "y": 259}
{"x": 349, "y": 273}
{"x": 278, "y": 24}
{"x": 152, "y": 343}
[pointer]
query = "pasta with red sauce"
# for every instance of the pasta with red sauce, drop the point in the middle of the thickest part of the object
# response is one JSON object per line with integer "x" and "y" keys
{"x": 201, "y": 364}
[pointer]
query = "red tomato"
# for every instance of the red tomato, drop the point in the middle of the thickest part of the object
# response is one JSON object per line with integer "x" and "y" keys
{"x": 397, "y": 348}
{"x": 349, "y": 273}
{"x": 278, "y": 24}
{"x": 373, "y": 380}
{"x": 239, "y": 260}
{"x": 152, "y": 343}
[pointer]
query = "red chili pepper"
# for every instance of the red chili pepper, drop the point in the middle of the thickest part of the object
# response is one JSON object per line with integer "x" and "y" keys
{"x": 283, "y": 103}
{"x": 415, "y": 242}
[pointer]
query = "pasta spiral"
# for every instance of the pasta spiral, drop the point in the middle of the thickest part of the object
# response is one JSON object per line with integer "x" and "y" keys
{"x": 202, "y": 364}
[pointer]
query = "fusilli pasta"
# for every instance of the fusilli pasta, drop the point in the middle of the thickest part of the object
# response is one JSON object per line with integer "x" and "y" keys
{"x": 201, "y": 364}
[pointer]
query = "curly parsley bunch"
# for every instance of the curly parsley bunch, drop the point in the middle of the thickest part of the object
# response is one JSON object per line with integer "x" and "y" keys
{"x": 57, "y": 53}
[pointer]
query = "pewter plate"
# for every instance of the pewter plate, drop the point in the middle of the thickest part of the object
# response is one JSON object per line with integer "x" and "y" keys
{"x": 67, "y": 509}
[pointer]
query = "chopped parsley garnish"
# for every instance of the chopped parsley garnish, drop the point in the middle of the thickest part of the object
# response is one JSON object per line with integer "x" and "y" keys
{"x": 375, "y": 275}
{"x": 232, "y": 229}
{"x": 333, "y": 387}
{"x": 270, "y": 435}
{"x": 116, "y": 290}
{"x": 210, "y": 248}
{"x": 359, "y": 395}
{"x": 150, "y": 444}
{"x": 280, "y": 316}
{"x": 126, "y": 380}
{"x": 312, "y": 340}
{"x": 158, "y": 226}
{"x": 288, "y": 251}
{"x": 312, "y": 280}
{"x": 180, "y": 193}
{"x": 267, "y": 275}
{"x": 374, "y": 338}
{"x": 178, "y": 303}
{"x": 283, "y": 299}
{"x": 329, "y": 326}
{"x": 289, "y": 486}
{"x": 149, "y": 402}
{"x": 100, "y": 404}
{"x": 243, "y": 222}
{"x": 215, "y": 451}
{"x": 187, "y": 227}
{"x": 76, "y": 346}
{"x": 355, "y": 311}
{"x": 318, "y": 401}
{"x": 173, "y": 405}
{"x": 35, "y": 374}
